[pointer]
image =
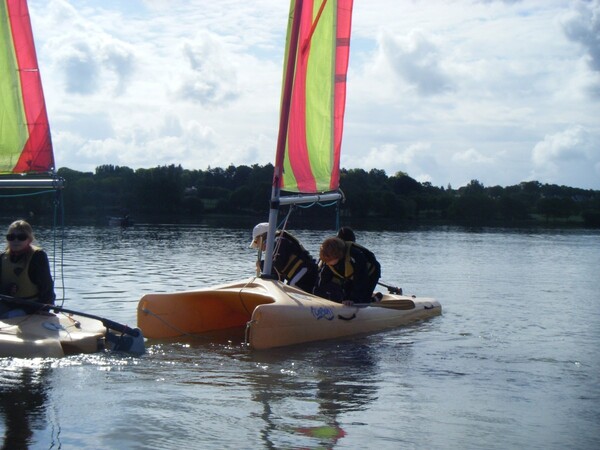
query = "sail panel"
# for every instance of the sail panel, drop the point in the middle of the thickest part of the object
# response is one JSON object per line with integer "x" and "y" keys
{"x": 25, "y": 143}
{"x": 343, "y": 30}
{"x": 312, "y": 156}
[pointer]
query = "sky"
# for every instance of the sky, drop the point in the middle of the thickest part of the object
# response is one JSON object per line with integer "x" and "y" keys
{"x": 446, "y": 91}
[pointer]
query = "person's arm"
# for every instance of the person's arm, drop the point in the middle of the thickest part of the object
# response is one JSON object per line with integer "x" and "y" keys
{"x": 39, "y": 273}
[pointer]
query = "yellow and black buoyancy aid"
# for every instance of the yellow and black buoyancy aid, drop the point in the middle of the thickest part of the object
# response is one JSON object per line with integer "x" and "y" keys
{"x": 17, "y": 274}
{"x": 373, "y": 267}
{"x": 297, "y": 259}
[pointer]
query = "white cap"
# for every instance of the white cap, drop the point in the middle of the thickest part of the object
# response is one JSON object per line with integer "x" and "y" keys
{"x": 257, "y": 232}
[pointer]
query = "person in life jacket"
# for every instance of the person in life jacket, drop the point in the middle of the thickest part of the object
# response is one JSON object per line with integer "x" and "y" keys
{"x": 348, "y": 273}
{"x": 292, "y": 263}
{"x": 24, "y": 270}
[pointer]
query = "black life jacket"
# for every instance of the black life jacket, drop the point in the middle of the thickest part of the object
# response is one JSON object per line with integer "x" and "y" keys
{"x": 373, "y": 266}
{"x": 297, "y": 259}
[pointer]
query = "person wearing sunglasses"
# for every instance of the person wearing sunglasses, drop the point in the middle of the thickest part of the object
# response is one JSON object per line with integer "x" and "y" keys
{"x": 24, "y": 270}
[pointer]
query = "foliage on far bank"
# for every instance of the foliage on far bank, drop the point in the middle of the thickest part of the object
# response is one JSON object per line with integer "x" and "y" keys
{"x": 176, "y": 192}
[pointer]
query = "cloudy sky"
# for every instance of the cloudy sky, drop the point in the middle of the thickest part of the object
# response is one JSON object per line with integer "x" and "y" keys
{"x": 446, "y": 91}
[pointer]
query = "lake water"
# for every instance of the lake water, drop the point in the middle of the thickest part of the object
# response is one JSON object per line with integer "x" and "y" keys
{"x": 513, "y": 362}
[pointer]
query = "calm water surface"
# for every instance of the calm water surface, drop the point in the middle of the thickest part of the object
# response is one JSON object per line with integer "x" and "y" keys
{"x": 514, "y": 362}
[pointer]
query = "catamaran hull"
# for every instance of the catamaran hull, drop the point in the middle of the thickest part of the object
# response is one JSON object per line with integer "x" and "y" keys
{"x": 273, "y": 313}
{"x": 276, "y": 325}
{"x": 49, "y": 336}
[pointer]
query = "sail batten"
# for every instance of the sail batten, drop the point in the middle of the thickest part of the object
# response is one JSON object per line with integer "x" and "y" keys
{"x": 25, "y": 142}
{"x": 317, "y": 99}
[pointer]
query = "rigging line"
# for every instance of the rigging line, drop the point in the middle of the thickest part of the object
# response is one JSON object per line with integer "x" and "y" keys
{"x": 282, "y": 228}
{"x": 156, "y": 316}
{"x": 55, "y": 210}
{"x": 59, "y": 219}
{"x": 242, "y": 300}
{"x": 322, "y": 205}
{"x": 313, "y": 27}
{"x": 30, "y": 194}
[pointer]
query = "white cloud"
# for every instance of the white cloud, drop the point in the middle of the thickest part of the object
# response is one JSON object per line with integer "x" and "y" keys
{"x": 582, "y": 25}
{"x": 210, "y": 76}
{"x": 573, "y": 150}
{"x": 471, "y": 156}
{"x": 416, "y": 160}
{"x": 87, "y": 58}
{"x": 570, "y": 145}
{"x": 416, "y": 59}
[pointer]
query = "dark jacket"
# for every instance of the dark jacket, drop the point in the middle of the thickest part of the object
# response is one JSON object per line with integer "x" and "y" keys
{"x": 290, "y": 257}
{"x": 354, "y": 277}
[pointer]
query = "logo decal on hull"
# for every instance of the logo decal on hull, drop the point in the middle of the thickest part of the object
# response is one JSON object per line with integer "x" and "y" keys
{"x": 53, "y": 326}
{"x": 322, "y": 313}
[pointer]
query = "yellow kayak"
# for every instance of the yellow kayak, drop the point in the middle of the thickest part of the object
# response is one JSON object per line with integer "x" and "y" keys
{"x": 273, "y": 313}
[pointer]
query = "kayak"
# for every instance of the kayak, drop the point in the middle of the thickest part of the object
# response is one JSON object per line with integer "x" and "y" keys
{"x": 274, "y": 314}
{"x": 47, "y": 335}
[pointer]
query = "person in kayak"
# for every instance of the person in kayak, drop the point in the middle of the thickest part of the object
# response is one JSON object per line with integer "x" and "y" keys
{"x": 348, "y": 272}
{"x": 292, "y": 263}
{"x": 24, "y": 270}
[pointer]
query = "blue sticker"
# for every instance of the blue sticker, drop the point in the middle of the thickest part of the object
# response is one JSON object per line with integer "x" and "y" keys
{"x": 322, "y": 313}
{"x": 53, "y": 326}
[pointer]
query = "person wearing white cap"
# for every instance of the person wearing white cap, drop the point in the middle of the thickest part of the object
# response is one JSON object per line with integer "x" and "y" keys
{"x": 291, "y": 261}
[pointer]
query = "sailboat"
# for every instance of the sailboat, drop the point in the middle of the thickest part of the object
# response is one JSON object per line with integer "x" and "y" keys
{"x": 272, "y": 313}
{"x": 27, "y": 161}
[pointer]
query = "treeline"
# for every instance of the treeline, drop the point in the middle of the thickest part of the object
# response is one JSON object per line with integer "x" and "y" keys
{"x": 171, "y": 191}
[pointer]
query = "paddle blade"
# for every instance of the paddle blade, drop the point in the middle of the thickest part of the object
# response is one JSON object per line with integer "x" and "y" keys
{"x": 129, "y": 343}
{"x": 391, "y": 303}
{"x": 404, "y": 304}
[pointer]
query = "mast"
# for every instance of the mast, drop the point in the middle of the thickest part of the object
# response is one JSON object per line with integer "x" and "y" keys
{"x": 281, "y": 138}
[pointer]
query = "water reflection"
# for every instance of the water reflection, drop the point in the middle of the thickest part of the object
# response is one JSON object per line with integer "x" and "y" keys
{"x": 23, "y": 397}
{"x": 304, "y": 393}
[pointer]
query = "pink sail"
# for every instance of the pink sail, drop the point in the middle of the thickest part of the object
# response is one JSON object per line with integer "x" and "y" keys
{"x": 25, "y": 142}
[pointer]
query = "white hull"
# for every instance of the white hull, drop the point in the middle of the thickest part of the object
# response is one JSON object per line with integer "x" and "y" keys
{"x": 49, "y": 335}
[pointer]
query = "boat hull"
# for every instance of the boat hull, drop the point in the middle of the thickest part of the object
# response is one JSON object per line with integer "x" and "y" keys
{"x": 274, "y": 313}
{"x": 49, "y": 335}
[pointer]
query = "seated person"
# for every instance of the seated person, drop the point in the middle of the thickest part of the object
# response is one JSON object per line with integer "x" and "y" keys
{"x": 348, "y": 272}
{"x": 291, "y": 261}
{"x": 24, "y": 271}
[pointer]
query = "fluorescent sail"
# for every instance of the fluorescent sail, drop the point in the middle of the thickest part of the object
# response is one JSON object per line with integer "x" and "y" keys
{"x": 316, "y": 111}
{"x": 25, "y": 143}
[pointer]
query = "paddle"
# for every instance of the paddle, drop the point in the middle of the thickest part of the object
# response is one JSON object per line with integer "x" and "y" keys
{"x": 401, "y": 304}
{"x": 392, "y": 304}
{"x": 132, "y": 343}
